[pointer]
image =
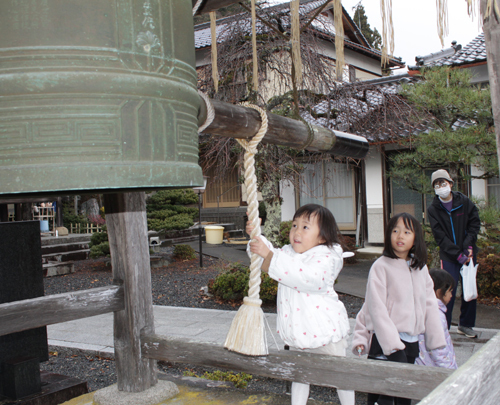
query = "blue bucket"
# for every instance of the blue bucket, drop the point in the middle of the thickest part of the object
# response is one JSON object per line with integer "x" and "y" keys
{"x": 44, "y": 226}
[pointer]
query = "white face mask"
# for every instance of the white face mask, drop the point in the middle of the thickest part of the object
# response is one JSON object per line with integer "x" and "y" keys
{"x": 443, "y": 192}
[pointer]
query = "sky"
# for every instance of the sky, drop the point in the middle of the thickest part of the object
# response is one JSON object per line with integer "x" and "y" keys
{"x": 415, "y": 26}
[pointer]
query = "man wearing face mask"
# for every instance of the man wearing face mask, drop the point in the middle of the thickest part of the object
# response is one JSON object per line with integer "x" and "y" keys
{"x": 455, "y": 223}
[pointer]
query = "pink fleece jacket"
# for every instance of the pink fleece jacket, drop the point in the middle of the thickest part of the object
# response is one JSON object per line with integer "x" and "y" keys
{"x": 398, "y": 299}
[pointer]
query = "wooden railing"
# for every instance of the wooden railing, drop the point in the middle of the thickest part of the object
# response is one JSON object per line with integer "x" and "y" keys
{"x": 42, "y": 311}
{"x": 389, "y": 378}
{"x": 85, "y": 228}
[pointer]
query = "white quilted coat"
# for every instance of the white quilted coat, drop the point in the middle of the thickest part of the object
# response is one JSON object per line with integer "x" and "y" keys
{"x": 310, "y": 314}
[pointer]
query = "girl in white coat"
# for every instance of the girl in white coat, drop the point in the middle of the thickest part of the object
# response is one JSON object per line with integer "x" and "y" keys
{"x": 310, "y": 315}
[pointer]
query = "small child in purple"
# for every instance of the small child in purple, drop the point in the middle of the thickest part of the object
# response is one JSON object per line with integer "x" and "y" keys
{"x": 444, "y": 357}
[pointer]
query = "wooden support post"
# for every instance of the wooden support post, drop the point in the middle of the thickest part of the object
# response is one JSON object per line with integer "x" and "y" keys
{"x": 128, "y": 243}
{"x": 58, "y": 213}
{"x": 491, "y": 28}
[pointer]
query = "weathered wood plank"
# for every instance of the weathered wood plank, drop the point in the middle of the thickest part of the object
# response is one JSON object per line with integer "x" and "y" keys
{"x": 128, "y": 243}
{"x": 35, "y": 312}
{"x": 474, "y": 383}
{"x": 403, "y": 380}
{"x": 236, "y": 121}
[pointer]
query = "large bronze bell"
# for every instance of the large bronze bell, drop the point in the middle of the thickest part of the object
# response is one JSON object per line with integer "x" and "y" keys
{"x": 97, "y": 95}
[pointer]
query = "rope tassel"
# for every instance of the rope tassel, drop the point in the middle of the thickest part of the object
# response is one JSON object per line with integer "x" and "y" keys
{"x": 247, "y": 334}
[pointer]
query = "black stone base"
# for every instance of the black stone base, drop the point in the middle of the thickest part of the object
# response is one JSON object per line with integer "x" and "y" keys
{"x": 56, "y": 389}
{"x": 21, "y": 377}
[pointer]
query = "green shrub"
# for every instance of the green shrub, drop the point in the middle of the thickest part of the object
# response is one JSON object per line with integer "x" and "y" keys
{"x": 488, "y": 272}
{"x": 268, "y": 288}
{"x": 99, "y": 250}
{"x": 173, "y": 210}
{"x": 167, "y": 211}
{"x": 184, "y": 252}
{"x": 433, "y": 260}
{"x": 163, "y": 198}
{"x": 232, "y": 283}
{"x": 174, "y": 223}
{"x": 239, "y": 380}
{"x": 98, "y": 238}
{"x": 284, "y": 234}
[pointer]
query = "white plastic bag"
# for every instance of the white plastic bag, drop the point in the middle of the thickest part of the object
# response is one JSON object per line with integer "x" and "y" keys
{"x": 469, "y": 287}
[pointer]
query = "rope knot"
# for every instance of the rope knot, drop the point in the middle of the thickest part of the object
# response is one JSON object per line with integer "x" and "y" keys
{"x": 250, "y": 146}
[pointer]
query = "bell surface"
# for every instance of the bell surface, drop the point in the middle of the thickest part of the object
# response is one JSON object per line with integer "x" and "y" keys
{"x": 97, "y": 95}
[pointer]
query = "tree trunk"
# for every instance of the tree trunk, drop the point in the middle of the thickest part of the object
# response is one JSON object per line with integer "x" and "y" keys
{"x": 491, "y": 28}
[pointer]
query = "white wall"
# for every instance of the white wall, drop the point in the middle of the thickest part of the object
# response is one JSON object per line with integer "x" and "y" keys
{"x": 353, "y": 58}
{"x": 478, "y": 187}
{"x": 287, "y": 193}
{"x": 374, "y": 196}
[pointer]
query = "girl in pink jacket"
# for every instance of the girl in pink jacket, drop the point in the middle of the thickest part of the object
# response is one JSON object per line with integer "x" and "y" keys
{"x": 400, "y": 302}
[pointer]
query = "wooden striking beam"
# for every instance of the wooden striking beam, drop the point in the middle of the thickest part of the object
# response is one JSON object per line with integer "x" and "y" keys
{"x": 212, "y": 5}
{"x": 236, "y": 121}
{"x": 35, "y": 312}
{"x": 382, "y": 377}
{"x": 474, "y": 383}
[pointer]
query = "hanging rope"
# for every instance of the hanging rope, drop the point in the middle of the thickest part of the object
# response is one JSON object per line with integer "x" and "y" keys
{"x": 197, "y": 6}
{"x": 442, "y": 19}
{"x": 339, "y": 38}
{"x": 254, "y": 49}
{"x": 492, "y": 5}
{"x": 247, "y": 334}
{"x": 213, "y": 35}
{"x": 387, "y": 30}
{"x": 295, "y": 40}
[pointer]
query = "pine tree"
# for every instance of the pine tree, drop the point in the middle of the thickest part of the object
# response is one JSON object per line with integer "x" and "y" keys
{"x": 372, "y": 36}
{"x": 462, "y": 134}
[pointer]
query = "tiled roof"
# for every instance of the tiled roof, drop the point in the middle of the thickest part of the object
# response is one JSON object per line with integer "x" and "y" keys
{"x": 473, "y": 52}
{"x": 359, "y": 109}
{"x": 202, "y": 34}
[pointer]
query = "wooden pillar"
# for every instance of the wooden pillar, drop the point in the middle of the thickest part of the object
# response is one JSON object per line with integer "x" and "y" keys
{"x": 18, "y": 212}
{"x": 58, "y": 213}
{"x": 491, "y": 28}
{"x": 128, "y": 242}
{"x": 4, "y": 212}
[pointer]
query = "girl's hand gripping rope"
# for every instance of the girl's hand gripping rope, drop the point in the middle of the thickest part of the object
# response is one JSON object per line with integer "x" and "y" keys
{"x": 257, "y": 246}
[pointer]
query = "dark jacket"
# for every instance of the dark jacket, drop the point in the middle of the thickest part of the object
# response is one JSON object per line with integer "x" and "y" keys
{"x": 454, "y": 231}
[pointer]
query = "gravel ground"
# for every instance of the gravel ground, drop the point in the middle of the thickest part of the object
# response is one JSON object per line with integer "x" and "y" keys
{"x": 177, "y": 284}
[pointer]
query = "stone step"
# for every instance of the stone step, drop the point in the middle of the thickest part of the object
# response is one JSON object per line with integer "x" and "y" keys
{"x": 61, "y": 240}
{"x": 64, "y": 247}
{"x": 51, "y": 269}
{"x": 66, "y": 256}
{"x": 369, "y": 252}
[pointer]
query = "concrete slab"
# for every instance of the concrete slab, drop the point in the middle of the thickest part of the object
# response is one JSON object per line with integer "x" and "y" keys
{"x": 162, "y": 391}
